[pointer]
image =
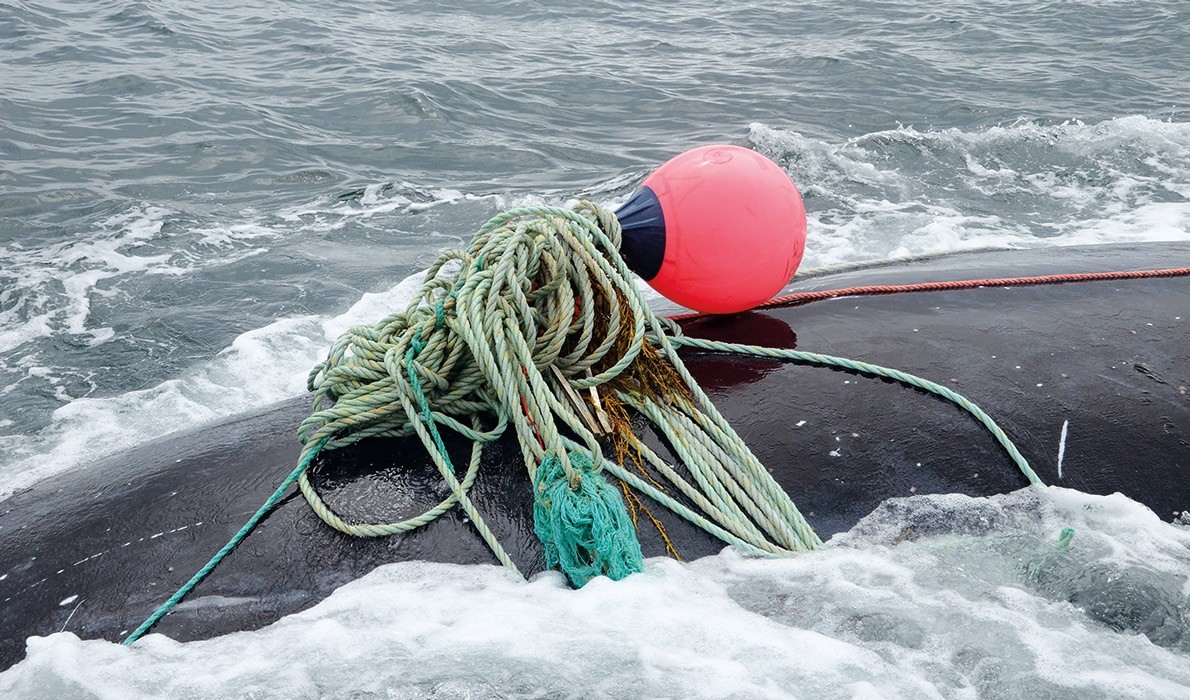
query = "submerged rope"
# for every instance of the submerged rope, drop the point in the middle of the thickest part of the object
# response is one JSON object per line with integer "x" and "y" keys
{"x": 540, "y": 306}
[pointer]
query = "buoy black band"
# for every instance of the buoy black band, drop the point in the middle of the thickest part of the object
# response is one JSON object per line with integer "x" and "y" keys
{"x": 643, "y": 226}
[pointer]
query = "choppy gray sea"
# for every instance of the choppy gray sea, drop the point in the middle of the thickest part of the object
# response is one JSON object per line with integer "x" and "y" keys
{"x": 195, "y": 198}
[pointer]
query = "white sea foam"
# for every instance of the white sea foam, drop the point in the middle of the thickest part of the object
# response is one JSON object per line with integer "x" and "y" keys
{"x": 383, "y": 198}
{"x": 49, "y": 290}
{"x": 911, "y": 192}
{"x": 260, "y": 367}
{"x": 54, "y": 284}
{"x": 978, "y": 603}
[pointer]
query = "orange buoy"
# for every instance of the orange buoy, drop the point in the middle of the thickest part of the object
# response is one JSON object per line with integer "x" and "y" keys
{"x": 717, "y": 229}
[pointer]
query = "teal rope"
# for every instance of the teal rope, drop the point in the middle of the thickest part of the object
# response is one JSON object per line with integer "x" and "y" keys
{"x": 427, "y": 415}
{"x": 584, "y": 531}
{"x": 308, "y": 456}
{"x": 446, "y": 468}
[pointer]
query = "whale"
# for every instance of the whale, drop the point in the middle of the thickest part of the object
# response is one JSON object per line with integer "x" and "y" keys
{"x": 1090, "y": 379}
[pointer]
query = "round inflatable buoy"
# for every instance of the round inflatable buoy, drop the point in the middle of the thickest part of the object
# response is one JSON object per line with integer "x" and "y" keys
{"x": 717, "y": 229}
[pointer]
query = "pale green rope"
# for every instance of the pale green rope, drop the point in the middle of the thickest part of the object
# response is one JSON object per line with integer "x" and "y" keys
{"x": 491, "y": 319}
{"x": 480, "y": 338}
{"x": 878, "y": 371}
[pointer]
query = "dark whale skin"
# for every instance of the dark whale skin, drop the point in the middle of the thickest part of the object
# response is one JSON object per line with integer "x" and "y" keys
{"x": 99, "y": 548}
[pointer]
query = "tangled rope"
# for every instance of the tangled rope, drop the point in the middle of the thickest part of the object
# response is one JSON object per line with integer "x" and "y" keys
{"x": 538, "y": 308}
{"x": 539, "y": 290}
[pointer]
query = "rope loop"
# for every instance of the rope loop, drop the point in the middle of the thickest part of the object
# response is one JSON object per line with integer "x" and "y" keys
{"x": 538, "y": 308}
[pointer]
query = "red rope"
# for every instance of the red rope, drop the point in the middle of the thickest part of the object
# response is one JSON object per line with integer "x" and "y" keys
{"x": 873, "y": 290}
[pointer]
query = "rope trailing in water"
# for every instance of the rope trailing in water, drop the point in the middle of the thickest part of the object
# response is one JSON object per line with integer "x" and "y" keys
{"x": 540, "y": 306}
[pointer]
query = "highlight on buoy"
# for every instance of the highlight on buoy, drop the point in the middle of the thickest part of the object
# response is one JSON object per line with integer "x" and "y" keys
{"x": 718, "y": 229}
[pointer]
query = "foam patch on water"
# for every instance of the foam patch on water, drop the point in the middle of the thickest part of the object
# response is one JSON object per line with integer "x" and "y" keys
{"x": 47, "y": 291}
{"x": 929, "y": 597}
{"x": 911, "y": 192}
{"x": 377, "y": 201}
{"x": 260, "y": 367}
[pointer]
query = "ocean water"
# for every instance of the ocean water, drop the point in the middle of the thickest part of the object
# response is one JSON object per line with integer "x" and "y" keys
{"x": 196, "y": 199}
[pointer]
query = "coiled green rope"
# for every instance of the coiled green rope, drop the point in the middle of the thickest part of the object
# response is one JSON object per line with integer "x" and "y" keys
{"x": 539, "y": 290}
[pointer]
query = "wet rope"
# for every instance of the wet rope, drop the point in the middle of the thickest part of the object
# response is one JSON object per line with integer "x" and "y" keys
{"x": 798, "y": 298}
{"x": 542, "y": 288}
{"x": 541, "y": 306}
{"x": 877, "y": 290}
{"x": 530, "y": 293}
{"x": 876, "y": 371}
